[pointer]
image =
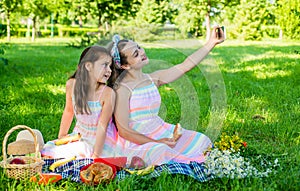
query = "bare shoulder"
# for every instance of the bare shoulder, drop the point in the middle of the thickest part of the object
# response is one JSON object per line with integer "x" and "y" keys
{"x": 155, "y": 76}
{"x": 123, "y": 92}
{"x": 108, "y": 92}
{"x": 70, "y": 84}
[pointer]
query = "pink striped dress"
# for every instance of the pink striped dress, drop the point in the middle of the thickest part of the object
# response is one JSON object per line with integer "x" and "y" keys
{"x": 86, "y": 125}
{"x": 144, "y": 107}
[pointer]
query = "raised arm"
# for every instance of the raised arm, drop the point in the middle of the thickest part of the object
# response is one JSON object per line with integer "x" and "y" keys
{"x": 108, "y": 103}
{"x": 68, "y": 113}
{"x": 168, "y": 75}
{"x": 122, "y": 120}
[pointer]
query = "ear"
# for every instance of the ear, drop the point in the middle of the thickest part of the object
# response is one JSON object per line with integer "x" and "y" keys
{"x": 125, "y": 67}
{"x": 88, "y": 66}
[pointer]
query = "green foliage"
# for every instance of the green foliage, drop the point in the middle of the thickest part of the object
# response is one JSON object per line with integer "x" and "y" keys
{"x": 154, "y": 12}
{"x": 137, "y": 31}
{"x": 9, "y": 5}
{"x": 191, "y": 15}
{"x": 3, "y": 29}
{"x": 249, "y": 19}
{"x": 2, "y": 52}
{"x": 288, "y": 17}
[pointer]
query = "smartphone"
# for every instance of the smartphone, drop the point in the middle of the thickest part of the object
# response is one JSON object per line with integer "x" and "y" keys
{"x": 219, "y": 31}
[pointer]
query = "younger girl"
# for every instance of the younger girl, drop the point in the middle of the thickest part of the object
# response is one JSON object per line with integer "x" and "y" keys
{"x": 92, "y": 103}
{"x": 138, "y": 102}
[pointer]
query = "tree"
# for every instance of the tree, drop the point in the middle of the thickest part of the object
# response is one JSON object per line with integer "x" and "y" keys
{"x": 249, "y": 18}
{"x": 154, "y": 11}
{"x": 288, "y": 17}
{"x": 36, "y": 9}
{"x": 194, "y": 14}
{"x": 107, "y": 11}
{"x": 9, "y": 6}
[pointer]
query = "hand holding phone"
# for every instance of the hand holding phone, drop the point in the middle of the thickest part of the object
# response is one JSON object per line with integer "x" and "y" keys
{"x": 219, "y": 33}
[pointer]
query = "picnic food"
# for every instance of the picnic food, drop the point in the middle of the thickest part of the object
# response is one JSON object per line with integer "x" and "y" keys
{"x": 137, "y": 163}
{"x": 46, "y": 178}
{"x": 177, "y": 132}
{"x": 17, "y": 161}
{"x": 60, "y": 162}
{"x": 97, "y": 173}
{"x": 68, "y": 139}
{"x": 143, "y": 171}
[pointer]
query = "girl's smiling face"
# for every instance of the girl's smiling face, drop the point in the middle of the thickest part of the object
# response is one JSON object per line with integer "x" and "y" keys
{"x": 136, "y": 56}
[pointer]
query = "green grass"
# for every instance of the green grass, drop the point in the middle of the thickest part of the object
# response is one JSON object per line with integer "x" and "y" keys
{"x": 260, "y": 79}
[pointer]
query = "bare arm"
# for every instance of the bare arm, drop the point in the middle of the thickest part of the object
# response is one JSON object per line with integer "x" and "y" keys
{"x": 108, "y": 104}
{"x": 68, "y": 113}
{"x": 164, "y": 77}
{"x": 122, "y": 121}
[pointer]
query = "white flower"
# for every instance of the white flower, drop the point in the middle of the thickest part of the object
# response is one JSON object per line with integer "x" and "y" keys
{"x": 231, "y": 165}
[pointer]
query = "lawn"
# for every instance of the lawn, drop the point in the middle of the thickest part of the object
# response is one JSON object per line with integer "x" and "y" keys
{"x": 255, "y": 85}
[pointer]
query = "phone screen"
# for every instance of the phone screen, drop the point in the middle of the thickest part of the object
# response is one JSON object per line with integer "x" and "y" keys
{"x": 219, "y": 32}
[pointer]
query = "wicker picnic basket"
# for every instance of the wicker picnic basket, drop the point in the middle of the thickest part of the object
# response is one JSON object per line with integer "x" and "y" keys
{"x": 33, "y": 164}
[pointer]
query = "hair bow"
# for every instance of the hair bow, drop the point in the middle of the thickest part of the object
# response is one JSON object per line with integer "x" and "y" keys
{"x": 115, "y": 52}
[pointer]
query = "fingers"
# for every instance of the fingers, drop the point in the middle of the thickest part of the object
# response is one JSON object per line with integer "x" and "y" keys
{"x": 217, "y": 35}
{"x": 170, "y": 142}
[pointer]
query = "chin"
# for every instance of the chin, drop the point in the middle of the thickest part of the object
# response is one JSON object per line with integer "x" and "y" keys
{"x": 102, "y": 81}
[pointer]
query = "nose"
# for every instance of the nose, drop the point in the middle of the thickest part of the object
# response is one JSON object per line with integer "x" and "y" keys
{"x": 108, "y": 69}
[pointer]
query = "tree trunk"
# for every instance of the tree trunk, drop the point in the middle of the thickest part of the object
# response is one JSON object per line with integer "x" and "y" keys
{"x": 207, "y": 24}
{"x": 207, "y": 20}
{"x": 28, "y": 28}
{"x": 99, "y": 14}
{"x": 33, "y": 28}
{"x": 80, "y": 21}
{"x": 8, "y": 26}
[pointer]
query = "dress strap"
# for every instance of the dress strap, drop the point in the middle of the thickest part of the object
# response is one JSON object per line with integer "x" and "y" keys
{"x": 148, "y": 75}
{"x": 102, "y": 90}
{"x": 123, "y": 84}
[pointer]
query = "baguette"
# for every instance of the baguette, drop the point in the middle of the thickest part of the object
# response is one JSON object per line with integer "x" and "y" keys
{"x": 68, "y": 139}
{"x": 177, "y": 132}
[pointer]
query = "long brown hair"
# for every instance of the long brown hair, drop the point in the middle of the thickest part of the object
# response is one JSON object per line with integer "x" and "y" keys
{"x": 117, "y": 74}
{"x": 82, "y": 85}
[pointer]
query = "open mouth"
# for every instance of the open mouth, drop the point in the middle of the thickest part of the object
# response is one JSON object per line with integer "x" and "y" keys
{"x": 144, "y": 58}
{"x": 107, "y": 75}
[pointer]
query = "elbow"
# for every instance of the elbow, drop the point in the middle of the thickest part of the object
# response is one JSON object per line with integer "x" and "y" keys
{"x": 124, "y": 134}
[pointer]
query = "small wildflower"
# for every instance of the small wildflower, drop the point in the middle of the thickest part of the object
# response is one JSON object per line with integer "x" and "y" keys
{"x": 225, "y": 161}
{"x": 231, "y": 142}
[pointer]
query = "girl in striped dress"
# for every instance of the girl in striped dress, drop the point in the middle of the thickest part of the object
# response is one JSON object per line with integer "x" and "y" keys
{"x": 92, "y": 104}
{"x": 138, "y": 100}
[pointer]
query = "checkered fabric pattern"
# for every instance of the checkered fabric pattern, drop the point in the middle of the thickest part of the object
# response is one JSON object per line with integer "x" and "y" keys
{"x": 72, "y": 169}
{"x": 194, "y": 169}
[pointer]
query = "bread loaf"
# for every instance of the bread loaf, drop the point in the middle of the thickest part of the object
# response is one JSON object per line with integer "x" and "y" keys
{"x": 177, "y": 132}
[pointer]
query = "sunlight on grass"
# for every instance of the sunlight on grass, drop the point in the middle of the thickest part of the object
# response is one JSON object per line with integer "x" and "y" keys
{"x": 263, "y": 71}
{"x": 55, "y": 89}
{"x": 258, "y": 109}
{"x": 263, "y": 66}
{"x": 43, "y": 41}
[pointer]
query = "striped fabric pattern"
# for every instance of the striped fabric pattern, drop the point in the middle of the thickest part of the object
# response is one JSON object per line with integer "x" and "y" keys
{"x": 86, "y": 125}
{"x": 144, "y": 107}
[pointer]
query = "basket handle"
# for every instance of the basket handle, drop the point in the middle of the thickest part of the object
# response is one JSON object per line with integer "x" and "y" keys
{"x": 12, "y": 130}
